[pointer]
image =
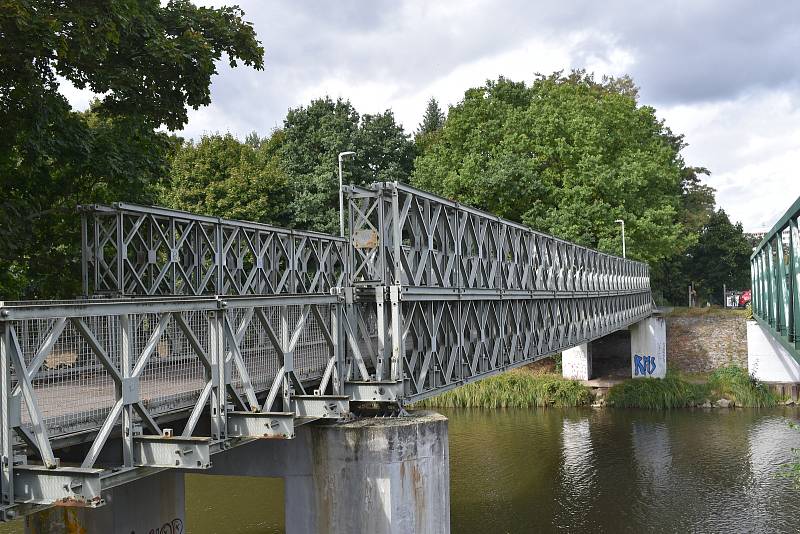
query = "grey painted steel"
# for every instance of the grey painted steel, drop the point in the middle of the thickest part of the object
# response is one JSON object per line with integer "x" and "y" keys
{"x": 344, "y": 478}
{"x": 145, "y": 250}
{"x": 459, "y": 294}
{"x": 424, "y": 296}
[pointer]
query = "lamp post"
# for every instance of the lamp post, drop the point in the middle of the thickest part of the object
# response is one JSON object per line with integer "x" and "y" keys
{"x": 620, "y": 221}
{"x": 341, "y": 193}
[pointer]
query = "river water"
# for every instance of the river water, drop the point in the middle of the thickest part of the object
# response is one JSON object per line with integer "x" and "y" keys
{"x": 577, "y": 470}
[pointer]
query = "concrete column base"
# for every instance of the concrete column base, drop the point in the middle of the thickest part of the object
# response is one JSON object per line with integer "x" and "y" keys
{"x": 649, "y": 348}
{"x": 576, "y": 363}
{"x": 376, "y": 476}
{"x": 151, "y": 504}
{"x": 767, "y": 359}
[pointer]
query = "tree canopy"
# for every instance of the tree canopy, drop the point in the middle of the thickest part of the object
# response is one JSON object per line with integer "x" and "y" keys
{"x": 314, "y": 135}
{"x": 568, "y": 155}
{"x": 148, "y": 63}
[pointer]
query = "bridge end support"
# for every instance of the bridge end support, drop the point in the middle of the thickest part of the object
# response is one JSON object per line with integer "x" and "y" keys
{"x": 576, "y": 363}
{"x": 150, "y": 504}
{"x": 649, "y": 348}
{"x": 767, "y": 359}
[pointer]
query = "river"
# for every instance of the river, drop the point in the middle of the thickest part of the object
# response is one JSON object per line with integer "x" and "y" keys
{"x": 576, "y": 470}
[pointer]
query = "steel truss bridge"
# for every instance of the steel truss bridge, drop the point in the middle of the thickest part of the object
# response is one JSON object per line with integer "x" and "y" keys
{"x": 775, "y": 277}
{"x": 196, "y": 334}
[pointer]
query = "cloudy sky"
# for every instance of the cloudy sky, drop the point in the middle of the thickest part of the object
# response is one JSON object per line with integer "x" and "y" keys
{"x": 724, "y": 73}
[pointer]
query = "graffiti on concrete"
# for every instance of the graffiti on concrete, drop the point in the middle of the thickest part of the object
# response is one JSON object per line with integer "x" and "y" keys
{"x": 644, "y": 365}
{"x": 171, "y": 527}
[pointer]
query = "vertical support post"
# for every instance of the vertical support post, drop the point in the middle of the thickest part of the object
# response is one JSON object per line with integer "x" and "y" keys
{"x": 6, "y": 439}
{"x": 120, "y": 244}
{"x": 219, "y": 380}
{"x": 398, "y": 341}
{"x": 85, "y": 248}
{"x": 126, "y": 363}
{"x": 397, "y": 237}
{"x": 794, "y": 258}
{"x": 783, "y": 292}
{"x": 383, "y": 331}
{"x": 338, "y": 347}
{"x": 770, "y": 268}
{"x": 288, "y": 360}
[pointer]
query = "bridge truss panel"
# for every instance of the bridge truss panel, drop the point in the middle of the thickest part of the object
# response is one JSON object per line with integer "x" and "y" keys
{"x": 118, "y": 370}
{"x": 142, "y": 250}
{"x": 775, "y": 278}
{"x": 460, "y": 294}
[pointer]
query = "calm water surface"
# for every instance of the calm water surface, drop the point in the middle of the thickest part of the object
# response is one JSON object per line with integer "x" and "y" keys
{"x": 578, "y": 470}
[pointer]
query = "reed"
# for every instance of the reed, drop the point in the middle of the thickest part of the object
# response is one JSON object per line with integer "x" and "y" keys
{"x": 734, "y": 383}
{"x": 515, "y": 389}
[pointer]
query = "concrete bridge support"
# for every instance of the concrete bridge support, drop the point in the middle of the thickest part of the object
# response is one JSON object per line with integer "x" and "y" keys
{"x": 380, "y": 475}
{"x": 648, "y": 352}
{"x": 767, "y": 359}
{"x": 150, "y": 504}
{"x": 371, "y": 476}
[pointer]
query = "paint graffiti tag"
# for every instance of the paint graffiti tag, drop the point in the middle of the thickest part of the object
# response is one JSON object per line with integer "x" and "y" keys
{"x": 173, "y": 527}
{"x": 644, "y": 365}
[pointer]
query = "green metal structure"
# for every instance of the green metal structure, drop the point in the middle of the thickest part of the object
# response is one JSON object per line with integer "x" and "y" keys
{"x": 775, "y": 274}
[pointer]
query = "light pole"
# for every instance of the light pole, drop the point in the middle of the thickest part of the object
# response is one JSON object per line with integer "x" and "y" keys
{"x": 623, "y": 235}
{"x": 341, "y": 193}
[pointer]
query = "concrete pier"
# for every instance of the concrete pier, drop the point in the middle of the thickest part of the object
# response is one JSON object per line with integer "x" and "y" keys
{"x": 376, "y": 476}
{"x": 576, "y": 363}
{"x": 649, "y": 348}
{"x": 767, "y": 359}
{"x": 151, "y": 504}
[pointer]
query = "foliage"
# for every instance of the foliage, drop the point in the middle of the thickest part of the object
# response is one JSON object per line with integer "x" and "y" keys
{"x": 566, "y": 155}
{"x": 730, "y": 382}
{"x": 428, "y": 131}
{"x": 224, "y": 177}
{"x": 148, "y": 62}
{"x": 656, "y": 394}
{"x": 734, "y": 383}
{"x": 314, "y": 135}
{"x": 791, "y": 469}
{"x": 720, "y": 257}
{"x": 514, "y": 390}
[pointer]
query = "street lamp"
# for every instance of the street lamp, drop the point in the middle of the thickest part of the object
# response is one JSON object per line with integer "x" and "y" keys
{"x": 341, "y": 193}
{"x": 623, "y": 235}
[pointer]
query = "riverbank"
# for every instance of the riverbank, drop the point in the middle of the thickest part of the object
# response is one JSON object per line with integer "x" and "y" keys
{"x": 726, "y": 387}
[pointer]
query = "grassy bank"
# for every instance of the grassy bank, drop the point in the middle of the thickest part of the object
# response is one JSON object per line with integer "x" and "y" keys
{"x": 732, "y": 383}
{"x": 525, "y": 389}
{"x": 515, "y": 389}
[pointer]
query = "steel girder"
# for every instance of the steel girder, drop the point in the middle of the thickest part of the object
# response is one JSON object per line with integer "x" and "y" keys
{"x": 142, "y": 250}
{"x": 459, "y": 294}
{"x": 89, "y": 371}
{"x": 775, "y": 280}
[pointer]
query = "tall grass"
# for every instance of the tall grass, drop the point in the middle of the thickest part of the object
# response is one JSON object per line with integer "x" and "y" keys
{"x": 513, "y": 390}
{"x": 734, "y": 383}
{"x": 656, "y": 394}
{"x": 731, "y": 382}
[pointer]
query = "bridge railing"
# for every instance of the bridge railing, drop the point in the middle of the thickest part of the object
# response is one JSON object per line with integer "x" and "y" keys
{"x": 90, "y": 371}
{"x": 144, "y": 250}
{"x": 408, "y": 237}
{"x": 775, "y": 277}
{"x": 460, "y": 294}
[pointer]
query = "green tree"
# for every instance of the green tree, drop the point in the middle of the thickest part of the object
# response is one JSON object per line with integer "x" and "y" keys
{"x": 221, "y": 176}
{"x": 720, "y": 257}
{"x": 432, "y": 122}
{"x": 149, "y": 62}
{"x": 314, "y": 135}
{"x": 566, "y": 155}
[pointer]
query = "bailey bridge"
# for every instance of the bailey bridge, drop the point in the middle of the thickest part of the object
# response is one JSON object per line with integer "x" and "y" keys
{"x": 209, "y": 345}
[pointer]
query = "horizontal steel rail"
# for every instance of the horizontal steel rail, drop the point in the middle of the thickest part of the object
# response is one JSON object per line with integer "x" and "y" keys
{"x": 775, "y": 277}
{"x": 459, "y": 294}
{"x": 119, "y": 370}
{"x": 144, "y": 250}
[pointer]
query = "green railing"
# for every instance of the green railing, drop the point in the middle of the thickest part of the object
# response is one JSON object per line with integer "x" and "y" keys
{"x": 775, "y": 273}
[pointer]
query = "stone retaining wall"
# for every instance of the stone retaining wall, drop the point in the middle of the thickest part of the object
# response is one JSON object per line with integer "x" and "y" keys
{"x": 705, "y": 343}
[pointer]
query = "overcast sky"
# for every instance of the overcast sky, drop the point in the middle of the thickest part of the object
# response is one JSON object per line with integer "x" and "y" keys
{"x": 724, "y": 73}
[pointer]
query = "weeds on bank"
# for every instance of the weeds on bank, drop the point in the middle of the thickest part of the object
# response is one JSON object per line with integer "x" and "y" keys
{"x": 730, "y": 382}
{"x": 513, "y": 390}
